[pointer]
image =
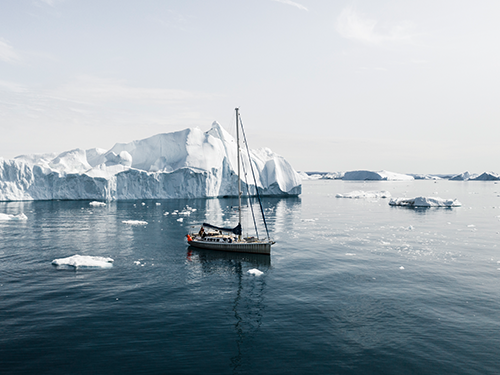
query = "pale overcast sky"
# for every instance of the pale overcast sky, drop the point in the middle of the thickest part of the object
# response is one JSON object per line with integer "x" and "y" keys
{"x": 406, "y": 86}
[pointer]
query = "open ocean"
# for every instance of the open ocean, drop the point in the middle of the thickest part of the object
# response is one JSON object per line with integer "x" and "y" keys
{"x": 353, "y": 286}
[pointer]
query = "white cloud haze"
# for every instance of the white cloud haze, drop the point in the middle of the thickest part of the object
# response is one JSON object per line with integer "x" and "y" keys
{"x": 7, "y": 52}
{"x": 403, "y": 86}
{"x": 352, "y": 25}
{"x": 292, "y": 3}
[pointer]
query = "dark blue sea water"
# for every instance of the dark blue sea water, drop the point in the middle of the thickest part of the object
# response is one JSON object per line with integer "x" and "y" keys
{"x": 351, "y": 287}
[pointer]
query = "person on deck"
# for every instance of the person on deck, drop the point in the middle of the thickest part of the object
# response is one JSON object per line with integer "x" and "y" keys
{"x": 201, "y": 233}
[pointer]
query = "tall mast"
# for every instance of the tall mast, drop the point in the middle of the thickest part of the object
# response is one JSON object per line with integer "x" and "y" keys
{"x": 239, "y": 178}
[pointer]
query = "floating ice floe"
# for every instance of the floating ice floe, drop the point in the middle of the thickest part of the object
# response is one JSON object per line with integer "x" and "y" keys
{"x": 84, "y": 261}
{"x": 181, "y": 219}
{"x": 135, "y": 222}
{"x": 424, "y": 202}
{"x": 365, "y": 194}
{"x": 19, "y": 217}
{"x": 255, "y": 272}
{"x": 376, "y": 176}
{"x": 187, "y": 211}
{"x": 97, "y": 204}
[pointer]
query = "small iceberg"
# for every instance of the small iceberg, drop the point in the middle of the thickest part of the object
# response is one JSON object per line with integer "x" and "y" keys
{"x": 83, "y": 261}
{"x": 357, "y": 194}
{"x": 135, "y": 222}
{"x": 424, "y": 202}
{"x": 7, "y": 217}
{"x": 97, "y": 204}
{"x": 255, "y": 272}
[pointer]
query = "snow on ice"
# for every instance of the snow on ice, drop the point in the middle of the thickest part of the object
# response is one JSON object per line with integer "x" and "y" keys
{"x": 424, "y": 202}
{"x": 84, "y": 261}
{"x": 184, "y": 164}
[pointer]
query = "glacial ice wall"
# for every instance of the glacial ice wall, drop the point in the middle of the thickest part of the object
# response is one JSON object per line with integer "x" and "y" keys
{"x": 185, "y": 164}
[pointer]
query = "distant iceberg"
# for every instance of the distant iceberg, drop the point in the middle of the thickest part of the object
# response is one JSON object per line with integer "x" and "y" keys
{"x": 486, "y": 176}
{"x": 365, "y": 194}
{"x": 184, "y": 164}
{"x": 461, "y": 177}
{"x": 425, "y": 176}
{"x": 333, "y": 176}
{"x": 466, "y": 176}
{"x": 321, "y": 175}
{"x": 424, "y": 202}
{"x": 84, "y": 261}
{"x": 376, "y": 176}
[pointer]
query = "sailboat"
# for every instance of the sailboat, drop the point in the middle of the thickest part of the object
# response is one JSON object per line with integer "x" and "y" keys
{"x": 213, "y": 237}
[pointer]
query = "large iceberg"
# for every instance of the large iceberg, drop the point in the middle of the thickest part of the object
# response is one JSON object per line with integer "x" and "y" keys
{"x": 184, "y": 164}
{"x": 377, "y": 176}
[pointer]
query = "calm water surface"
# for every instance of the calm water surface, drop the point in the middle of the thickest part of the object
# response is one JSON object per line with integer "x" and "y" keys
{"x": 352, "y": 287}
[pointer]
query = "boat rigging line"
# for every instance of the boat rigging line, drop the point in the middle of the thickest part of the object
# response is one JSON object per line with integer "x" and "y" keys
{"x": 253, "y": 174}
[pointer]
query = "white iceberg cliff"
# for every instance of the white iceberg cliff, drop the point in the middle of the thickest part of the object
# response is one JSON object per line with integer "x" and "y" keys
{"x": 184, "y": 164}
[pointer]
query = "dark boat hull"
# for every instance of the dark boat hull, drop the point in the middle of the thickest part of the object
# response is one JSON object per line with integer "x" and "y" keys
{"x": 235, "y": 247}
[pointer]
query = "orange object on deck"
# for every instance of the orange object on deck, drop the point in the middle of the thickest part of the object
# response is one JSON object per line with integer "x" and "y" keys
{"x": 189, "y": 238}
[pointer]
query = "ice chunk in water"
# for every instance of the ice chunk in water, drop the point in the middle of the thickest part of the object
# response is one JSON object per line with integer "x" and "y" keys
{"x": 255, "y": 272}
{"x": 135, "y": 222}
{"x": 5, "y": 217}
{"x": 97, "y": 204}
{"x": 84, "y": 261}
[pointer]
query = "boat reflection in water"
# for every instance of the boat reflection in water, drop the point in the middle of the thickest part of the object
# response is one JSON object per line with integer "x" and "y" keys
{"x": 248, "y": 303}
{"x": 230, "y": 260}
